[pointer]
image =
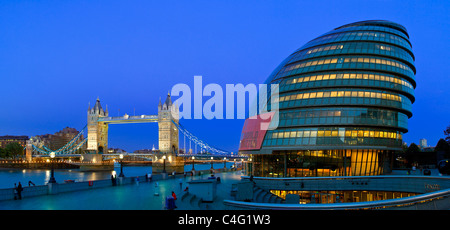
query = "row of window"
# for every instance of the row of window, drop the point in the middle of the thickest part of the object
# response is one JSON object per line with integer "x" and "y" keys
{"x": 350, "y": 65}
{"x": 340, "y": 60}
{"x": 304, "y": 163}
{"x": 360, "y": 76}
{"x": 302, "y": 142}
{"x": 405, "y": 104}
{"x": 341, "y": 93}
{"x": 370, "y": 28}
{"x": 353, "y": 47}
{"x": 338, "y": 112}
{"x": 351, "y": 36}
{"x": 343, "y": 116}
{"x": 333, "y": 132}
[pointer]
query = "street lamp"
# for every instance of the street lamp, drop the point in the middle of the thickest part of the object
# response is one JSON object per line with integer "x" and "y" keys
{"x": 121, "y": 165}
{"x": 225, "y": 162}
{"x": 52, "y": 172}
{"x": 193, "y": 163}
{"x": 164, "y": 164}
{"x": 212, "y": 163}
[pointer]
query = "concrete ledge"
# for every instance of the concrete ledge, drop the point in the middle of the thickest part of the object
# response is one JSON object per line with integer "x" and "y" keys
{"x": 204, "y": 189}
{"x": 40, "y": 190}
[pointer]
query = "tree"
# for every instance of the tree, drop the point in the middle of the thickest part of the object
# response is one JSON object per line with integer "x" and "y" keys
{"x": 443, "y": 148}
{"x": 13, "y": 150}
{"x": 447, "y": 134}
{"x": 410, "y": 152}
{"x": 2, "y": 153}
{"x": 413, "y": 148}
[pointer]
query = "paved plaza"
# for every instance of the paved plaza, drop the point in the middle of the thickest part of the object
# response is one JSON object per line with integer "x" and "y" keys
{"x": 127, "y": 197}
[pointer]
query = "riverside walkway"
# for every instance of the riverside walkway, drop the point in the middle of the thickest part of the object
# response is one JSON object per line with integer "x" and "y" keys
{"x": 101, "y": 195}
{"x": 133, "y": 196}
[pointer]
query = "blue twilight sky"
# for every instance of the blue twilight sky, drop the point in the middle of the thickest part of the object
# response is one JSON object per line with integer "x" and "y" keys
{"x": 57, "y": 56}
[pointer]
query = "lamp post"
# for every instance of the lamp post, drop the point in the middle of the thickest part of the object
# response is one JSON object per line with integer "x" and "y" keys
{"x": 212, "y": 163}
{"x": 52, "y": 172}
{"x": 193, "y": 163}
{"x": 164, "y": 164}
{"x": 225, "y": 162}
{"x": 234, "y": 164}
{"x": 121, "y": 165}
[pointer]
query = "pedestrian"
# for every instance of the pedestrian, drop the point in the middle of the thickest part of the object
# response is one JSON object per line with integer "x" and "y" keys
{"x": 113, "y": 180}
{"x": 15, "y": 191}
{"x": 251, "y": 179}
{"x": 170, "y": 203}
{"x": 156, "y": 189}
{"x": 181, "y": 184}
{"x": 137, "y": 180}
{"x": 174, "y": 195}
{"x": 150, "y": 177}
{"x": 19, "y": 191}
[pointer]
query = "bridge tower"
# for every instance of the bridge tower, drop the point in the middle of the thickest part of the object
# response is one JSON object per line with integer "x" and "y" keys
{"x": 97, "y": 131}
{"x": 168, "y": 132}
{"x": 168, "y": 139}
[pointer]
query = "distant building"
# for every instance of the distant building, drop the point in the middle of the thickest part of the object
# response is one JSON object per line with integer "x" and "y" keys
{"x": 60, "y": 138}
{"x": 423, "y": 143}
{"x": 428, "y": 149}
{"x": 146, "y": 151}
{"x": 5, "y": 140}
{"x": 116, "y": 150}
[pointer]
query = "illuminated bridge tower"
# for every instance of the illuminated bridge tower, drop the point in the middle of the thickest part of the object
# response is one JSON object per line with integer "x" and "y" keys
{"x": 168, "y": 132}
{"x": 97, "y": 130}
{"x": 167, "y": 159}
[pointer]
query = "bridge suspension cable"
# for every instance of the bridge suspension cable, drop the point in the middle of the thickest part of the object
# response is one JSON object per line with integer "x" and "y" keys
{"x": 68, "y": 148}
{"x": 202, "y": 145}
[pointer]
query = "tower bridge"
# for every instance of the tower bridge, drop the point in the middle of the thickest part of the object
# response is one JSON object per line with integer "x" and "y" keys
{"x": 169, "y": 157}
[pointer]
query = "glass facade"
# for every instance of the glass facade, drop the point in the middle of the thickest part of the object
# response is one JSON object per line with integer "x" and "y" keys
{"x": 344, "y": 103}
{"x": 331, "y": 197}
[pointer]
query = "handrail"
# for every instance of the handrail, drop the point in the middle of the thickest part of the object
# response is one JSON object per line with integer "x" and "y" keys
{"x": 336, "y": 206}
{"x": 344, "y": 177}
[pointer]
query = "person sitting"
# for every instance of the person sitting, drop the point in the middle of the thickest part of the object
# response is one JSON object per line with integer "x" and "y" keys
{"x": 212, "y": 177}
{"x": 174, "y": 195}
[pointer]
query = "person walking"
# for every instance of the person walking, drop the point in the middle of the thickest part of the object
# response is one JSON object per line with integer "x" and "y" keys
{"x": 15, "y": 191}
{"x": 181, "y": 184}
{"x": 113, "y": 180}
{"x": 19, "y": 191}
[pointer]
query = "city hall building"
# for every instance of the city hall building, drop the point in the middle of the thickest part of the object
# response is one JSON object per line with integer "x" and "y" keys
{"x": 344, "y": 103}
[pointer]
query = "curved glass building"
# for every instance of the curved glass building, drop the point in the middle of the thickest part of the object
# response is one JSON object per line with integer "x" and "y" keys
{"x": 344, "y": 103}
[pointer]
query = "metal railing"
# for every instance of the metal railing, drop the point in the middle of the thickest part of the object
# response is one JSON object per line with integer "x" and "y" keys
{"x": 412, "y": 202}
{"x": 127, "y": 117}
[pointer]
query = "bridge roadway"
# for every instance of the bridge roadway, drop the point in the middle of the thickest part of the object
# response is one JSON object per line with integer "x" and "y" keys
{"x": 129, "y": 119}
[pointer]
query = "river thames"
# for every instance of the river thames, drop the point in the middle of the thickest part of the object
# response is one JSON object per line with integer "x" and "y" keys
{"x": 9, "y": 176}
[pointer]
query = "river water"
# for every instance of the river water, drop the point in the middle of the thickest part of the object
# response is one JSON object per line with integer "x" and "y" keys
{"x": 41, "y": 176}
